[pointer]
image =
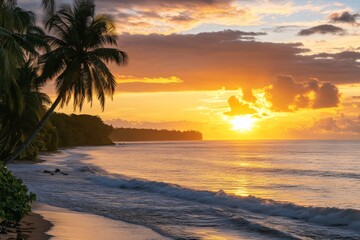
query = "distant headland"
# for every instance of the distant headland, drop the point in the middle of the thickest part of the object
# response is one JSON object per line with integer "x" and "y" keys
{"x": 86, "y": 130}
{"x": 141, "y": 134}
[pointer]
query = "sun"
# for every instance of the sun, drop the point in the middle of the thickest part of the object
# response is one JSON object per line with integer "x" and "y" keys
{"x": 243, "y": 123}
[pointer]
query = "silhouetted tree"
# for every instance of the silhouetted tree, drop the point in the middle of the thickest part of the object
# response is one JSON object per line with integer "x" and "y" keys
{"x": 78, "y": 58}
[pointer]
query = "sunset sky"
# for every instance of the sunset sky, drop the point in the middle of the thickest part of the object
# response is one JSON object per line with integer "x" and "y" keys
{"x": 245, "y": 69}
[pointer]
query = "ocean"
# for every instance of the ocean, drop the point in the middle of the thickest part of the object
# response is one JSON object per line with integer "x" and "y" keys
{"x": 211, "y": 189}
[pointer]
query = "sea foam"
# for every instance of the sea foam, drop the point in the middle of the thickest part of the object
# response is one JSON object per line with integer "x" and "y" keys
{"x": 336, "y": 217}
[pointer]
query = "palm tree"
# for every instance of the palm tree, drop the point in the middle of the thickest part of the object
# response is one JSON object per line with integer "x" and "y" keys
{"x": 20, "y": 40}
{"x": 49, "y": 6}
{"x": 35, "y": 107}
{"x": 78, "y": 58}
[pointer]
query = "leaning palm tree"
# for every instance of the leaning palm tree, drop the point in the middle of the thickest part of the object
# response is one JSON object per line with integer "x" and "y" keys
{"x": 80, "y": 43}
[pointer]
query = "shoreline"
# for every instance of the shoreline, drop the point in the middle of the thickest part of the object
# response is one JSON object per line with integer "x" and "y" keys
{"x": 32, "y": 227}
{"x": 73, "y": 225}
{"x": 48, "y": 222}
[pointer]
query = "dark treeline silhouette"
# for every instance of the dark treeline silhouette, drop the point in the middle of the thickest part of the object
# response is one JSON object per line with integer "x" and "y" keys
{"x": 72, "y": 48}
{"x": 134, "y": 134}
{"x": 80, "y": 130}
{"x": 73, "y": 130}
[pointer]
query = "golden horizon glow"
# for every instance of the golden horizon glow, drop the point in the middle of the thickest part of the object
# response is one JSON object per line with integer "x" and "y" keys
{"x": 261, "y": 80}
{"x": 204, "y": 111}
{"x": 243, "y": 123}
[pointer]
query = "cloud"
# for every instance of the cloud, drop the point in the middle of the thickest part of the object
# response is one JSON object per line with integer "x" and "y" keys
{"x": 342, "y": 124}
{"x": 345, "y": 56}
{"x": 230, "y": 59}
{"x": 133, "y": 79}
{"x": 238, "y": 108}
{"x": 327, "y": 95}
{"x": 344, "y": 17}
{"x": 288, "y": 95}
{"x": 322, "y": 29}
{"x": 169, "y": 16}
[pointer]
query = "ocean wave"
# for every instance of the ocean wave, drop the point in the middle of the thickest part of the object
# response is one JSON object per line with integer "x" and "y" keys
{"x": 301, "y": 172}
{"x": 335, "y": 217}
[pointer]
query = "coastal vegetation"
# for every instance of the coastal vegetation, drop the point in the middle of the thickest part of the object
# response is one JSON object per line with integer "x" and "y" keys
{"x": 79, "y": 130}
{"x": 15, "y": 199}
{"x": 134, "y": 134}
{"x": 64, "y": 130}
{"x": 78, "y": 42}
{"x": 73, "y": 50}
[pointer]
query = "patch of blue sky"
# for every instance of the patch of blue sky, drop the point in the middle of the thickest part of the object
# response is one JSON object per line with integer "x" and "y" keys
{"x": 297, "y": 17}
{"x": 220, "y": 27}
{"x": 354, "y": 4}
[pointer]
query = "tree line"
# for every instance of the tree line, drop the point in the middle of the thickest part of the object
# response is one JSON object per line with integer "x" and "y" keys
{"x": 71, "y": 48}
{"x": 135, "y": 134}
{"x": 73, "y": 130}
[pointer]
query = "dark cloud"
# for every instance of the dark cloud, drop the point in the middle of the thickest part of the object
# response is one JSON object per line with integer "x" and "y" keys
{"x": 283, "y": 93}
{"x": 346, "y": 56}
{"x": 238, "y": 108}
{"x": 288, "y": 95}
{"x": 183, "y": 17}
{"x": 322, "y": 29}
{"x": 344, "y": 17}
{"x": 327, "y": 96}
{"x": 230, "y": 59}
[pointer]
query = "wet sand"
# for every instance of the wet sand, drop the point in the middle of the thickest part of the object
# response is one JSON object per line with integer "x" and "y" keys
{"x": 32, "y": 227}
{"x": 71, "y": 225}
{"x": 48, "y": 222}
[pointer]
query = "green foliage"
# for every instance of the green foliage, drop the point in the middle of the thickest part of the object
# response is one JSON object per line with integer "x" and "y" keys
{"x": 19, "y": 118}
{"x": 15, "y": 199}
{"x": 80, "y": 130}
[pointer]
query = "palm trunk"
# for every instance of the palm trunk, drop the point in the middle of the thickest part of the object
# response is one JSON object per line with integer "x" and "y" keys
{"x": 41, "y": 124}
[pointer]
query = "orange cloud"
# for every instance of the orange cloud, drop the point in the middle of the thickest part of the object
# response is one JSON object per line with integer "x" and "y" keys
{"x": 230, "y": 59}
{"x": 288, "y": 95}
{"x": 169, "y": 16}
{"x": 285, "y": 95}
{"x": 239, "y": 108}
{"x": 161, "y": 80}
{"x": 342, "y": 124}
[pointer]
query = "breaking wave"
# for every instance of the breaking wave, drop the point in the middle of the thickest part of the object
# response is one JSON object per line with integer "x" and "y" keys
{"x": 336, "y": 217}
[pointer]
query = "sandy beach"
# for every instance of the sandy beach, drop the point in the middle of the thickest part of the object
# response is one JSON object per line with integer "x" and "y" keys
{"x": 48, "y": 222}
{"x": 33, "y": 227}
{"x": 71, "y": 225}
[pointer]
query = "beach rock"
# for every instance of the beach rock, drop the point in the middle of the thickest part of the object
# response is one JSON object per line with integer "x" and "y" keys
{"x": 57, "y": 170}
{"x": 20, "y": 237}
{"x": 3, "y": 230}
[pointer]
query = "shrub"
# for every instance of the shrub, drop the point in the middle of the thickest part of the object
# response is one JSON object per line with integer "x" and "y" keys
{"x": 15, "y": 199}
